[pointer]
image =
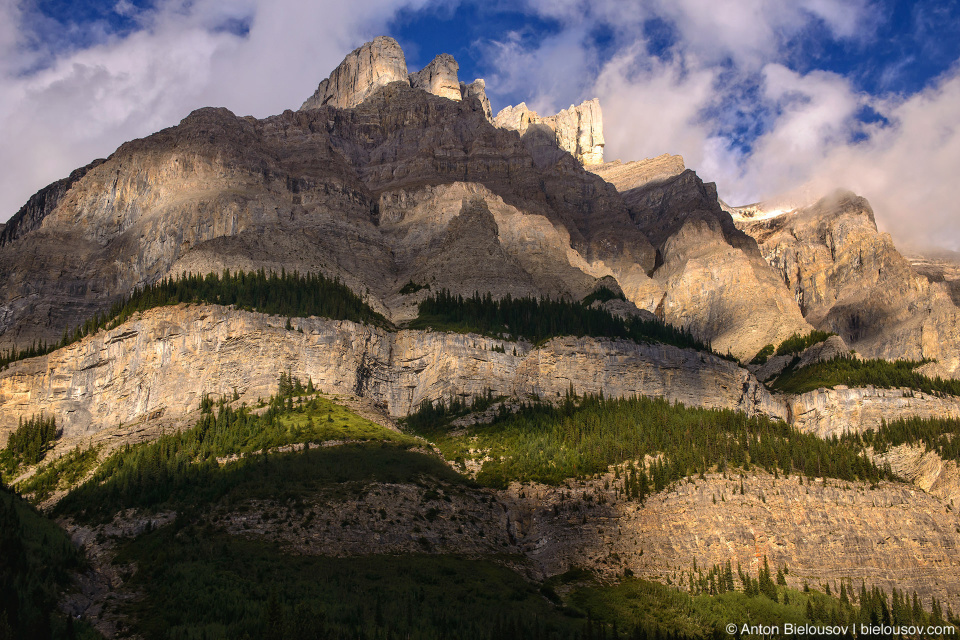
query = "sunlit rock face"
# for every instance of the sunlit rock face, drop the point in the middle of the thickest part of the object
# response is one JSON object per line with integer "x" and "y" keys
{"x": 577, "y": 130}
{"x": 439, "y": 78}
{"x": 361, "y": 73}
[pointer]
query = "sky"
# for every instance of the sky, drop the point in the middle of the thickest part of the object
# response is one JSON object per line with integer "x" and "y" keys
{"x": 774, "y": 100}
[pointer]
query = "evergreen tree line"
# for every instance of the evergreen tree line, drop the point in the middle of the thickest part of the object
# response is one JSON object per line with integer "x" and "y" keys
{"x": 284, "y": 294}
{"x": 538, "y": 320}
{"x": 60, "y": 474}
{"x": 184, "y": 466}
{"x": 36, "y": 557}
{"x": 794, "y": 344}
{"x": 844, "y": 606}
{"x": 583, "y": 436}
{"x": 798, "y": 343}
{"x": 29, "y": 443}
{"x": 854, "y": 372}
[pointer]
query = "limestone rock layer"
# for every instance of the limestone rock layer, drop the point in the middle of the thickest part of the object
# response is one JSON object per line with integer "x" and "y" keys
{"x": 439, "y": 78}
{"x": 163, "y": 362}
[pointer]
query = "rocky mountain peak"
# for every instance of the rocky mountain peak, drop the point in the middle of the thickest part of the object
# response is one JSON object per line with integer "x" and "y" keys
{"x": 381, "y": 62}
{"x": 577, "y": 129}
{"x": 439, "y": 78}
{"x": 365, "y": 69}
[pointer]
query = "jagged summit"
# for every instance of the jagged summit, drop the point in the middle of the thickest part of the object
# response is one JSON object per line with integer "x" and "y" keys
{"x": 577, "y": 129}
{"x": 364, "y": 70}
{"x": 380, "y": 62}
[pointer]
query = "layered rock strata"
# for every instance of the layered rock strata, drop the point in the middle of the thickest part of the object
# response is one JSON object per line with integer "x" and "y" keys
{"x": 362, "y": 72}
{"x": 890, "y": 535}
{"x": 164, "y": 361}
{"x": 630, "y": 175}
{"x": 439, "y": 78}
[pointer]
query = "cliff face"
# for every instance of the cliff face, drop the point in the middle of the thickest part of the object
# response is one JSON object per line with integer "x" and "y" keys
{"x": 381, "y": 62}
{"x": 362, "y": 72}
{"x": 637, "y": 173}
{"x": 925, "y": 469}
{"x": 889, "y": 536}
{"x": 163, "y": 362}
{"x": 31, "y": 215}
{"x": 297, "y": 191}
{"x": 439, "y": 78}
{"x": 849, "y": 279}
{"x": 829, "y": 412}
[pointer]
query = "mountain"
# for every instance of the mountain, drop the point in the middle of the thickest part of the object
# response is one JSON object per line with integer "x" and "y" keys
{"x": 850, "y": 279}
{"x": 391, "y": 365}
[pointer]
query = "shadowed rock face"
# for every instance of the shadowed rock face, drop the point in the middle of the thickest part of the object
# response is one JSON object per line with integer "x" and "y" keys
{"x": 849, "y": 278}
{"x": 477, "y": 89}
{"x": 711, "y": 276}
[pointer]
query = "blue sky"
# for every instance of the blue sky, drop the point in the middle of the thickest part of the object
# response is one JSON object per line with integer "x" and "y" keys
{"x": 772, "y": 99}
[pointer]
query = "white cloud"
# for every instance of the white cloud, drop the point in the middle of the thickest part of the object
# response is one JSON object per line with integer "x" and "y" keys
{"x": 908, "y": 169}
{"x": 730, "y": 62}
{"x": 816, "y": 113}
{"x": 545, "y": 77}
{"x": 651, "y": 107}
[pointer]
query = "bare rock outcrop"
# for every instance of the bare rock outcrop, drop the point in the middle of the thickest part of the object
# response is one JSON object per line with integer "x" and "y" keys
{"x": 829, "y": 412}
{"x": 362, "y": 72}
{"x": 166, "y": 359}
{"x": 939, "y": 266}
{"x": 577, "y": 130}
{"x": 832, "y": 347}
{"x": 637, "y": 173}
{"x": 439, "y": 78}
{"x": 849, "y": 278}
{"x": 381, "y": 62}
{"x": 31, "y": 215}
{"x": 477, "y": 89}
